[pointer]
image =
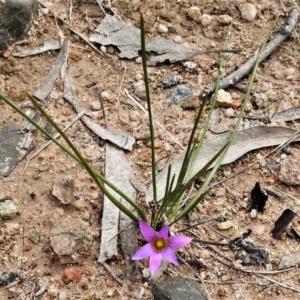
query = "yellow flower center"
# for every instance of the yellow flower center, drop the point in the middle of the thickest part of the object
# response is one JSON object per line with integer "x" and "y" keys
{"x": 159, "y": 244}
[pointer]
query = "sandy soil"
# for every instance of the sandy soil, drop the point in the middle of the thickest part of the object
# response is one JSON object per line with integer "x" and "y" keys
{"x": 25, "y": 247}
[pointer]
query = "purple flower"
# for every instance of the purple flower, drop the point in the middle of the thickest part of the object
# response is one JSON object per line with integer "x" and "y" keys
{"x": 159, "y": 245}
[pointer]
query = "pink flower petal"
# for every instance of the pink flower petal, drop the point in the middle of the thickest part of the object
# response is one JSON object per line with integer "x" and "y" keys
{"x": 143, "y": 252}
{"x": 147, "y": 231}
{"x": 170, "y": 256}
{"x": 163, "y": 233}
{"x": 179, "y": 241}
{"x": 155, "y": 260}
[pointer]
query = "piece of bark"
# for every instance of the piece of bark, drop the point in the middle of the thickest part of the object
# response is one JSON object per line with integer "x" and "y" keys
{"x": 47, "y": 85}
{"x": 246, "y": 68}
{"x": 119, "y": 172}
{"x": 282, "y": 222}
{"x": 119, "y": 139}
{"x": 258, "y": 198}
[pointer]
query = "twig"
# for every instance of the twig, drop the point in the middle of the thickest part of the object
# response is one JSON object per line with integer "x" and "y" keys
{"x": 279, "y": 283}
{"x": 246, "y": 68}
{"x": 120, "y": 87}
{"x": 107, "y": 268}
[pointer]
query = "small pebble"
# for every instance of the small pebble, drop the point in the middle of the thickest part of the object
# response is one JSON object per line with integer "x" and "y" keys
{"x": 162, "y": 28}
{"x": 224, "y": 19}
{"x": 177, "y": 39}
{"x": 52, "y": 291}
{"x": 138, "y": 76}
{"x": 110, "y": 293}
{"x": 71, "y": 274}
{"x": 8, "y": 210}
{"x": 206, "y": 20}
{"x": 283, "y": 156}
{"x": 134, "y": 115}
{"x": 287, "y": 150}
{"x": 146, "y": 273}
{"x": 248, "y": 12}
{"x": 253, "y": 214}
{"x": 190, "y": 65}
{"x": 105, "y": 95}
{"x": 225, "y": 225}
{"x": 95, "y": 106}
{"x": 224, "y": 99}
{"x": 62, "y": 296}
{"x": 139, "y": 89}
{"x": 194, "y": 13}
{"x": 103, "y": 49}
{"x": 110, "y": 49}
{"x": 205, "y": 254}
{"x": 229, "y": 112}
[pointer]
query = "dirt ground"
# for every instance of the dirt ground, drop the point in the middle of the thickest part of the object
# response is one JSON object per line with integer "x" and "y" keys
{"x": 25, "y": 245}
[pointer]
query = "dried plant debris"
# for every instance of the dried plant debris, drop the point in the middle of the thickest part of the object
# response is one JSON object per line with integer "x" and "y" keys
{"x": 249, "y": 252}
{"x": 282, "y": 33}
{"x": 47, "y": 46}
{"x": 282, "y": 222}
{"x": 119, "y": 139}
{"x": 258, "y": 198}
{"x": 290, "y": 114}
{"x": 119, "y": 172}
{"x": 47, "y": 85}
{"x": 11, "y": 153}
{"x": 244, "y": 141}
{"x": 127, "y": 39}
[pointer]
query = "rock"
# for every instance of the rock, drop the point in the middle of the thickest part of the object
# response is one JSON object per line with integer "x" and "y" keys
{"x": 71, "y": 275}
{"x": 190, "y": 65}
{"x": 224, "y": 99}
{"x": 229, "y": 112}
{"x": 15, "y": 20}
{"x": 180, "y": 93}
{"x": 10, "y": 139}
{"x": 248, "y": 12}
{"x": 194, "y": 13}
{"x": 62, "y": 296}
{"x": 139, "y": 89}
{"x": 105, "y": 95}
{"x": 206, "y": 20}
{"x": 177, "y": 288}
{"x": 162, "y": 28}
{"x": 289, "y": 172}
{"x": 8, "y": 210}
{"x": 177, "y": 39}
{"x": 172, "y": 80}
{"x": 224, "y": 19}
{"x": 290, "y": 260}
{"x": 64, "y": 190}
{"x": 225, "y": 225}
{"x": 71, "y": 240}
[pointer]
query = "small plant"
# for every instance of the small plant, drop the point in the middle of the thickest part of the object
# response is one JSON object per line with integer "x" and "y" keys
{"x": 172, "y": 208}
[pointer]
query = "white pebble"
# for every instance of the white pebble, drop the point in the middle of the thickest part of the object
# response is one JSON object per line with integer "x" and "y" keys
{"x": 194, "y": 13}
{"x": 62, "y": 296}
{"x": 206, "y": 20}
{"x": 283, "y": 156}
{"x": 110, "y": 49}
{"x": 289, "y": 71}
{"x": 103, "y": 49}
{"x": 229, "y": 112}
{"x": 134, "y": 115}
{"x": 138, "y": 76}
{"x": 162, "y": 28}
{"x": 146, "y": 273}
{"x": 177, "y": 39}
{"x": 190, "y": 65}
{"x": 224, "y": 19}
{"x": 105, "y": 95}
{"x": 253, "y": 213}
{"x": 248, "y": 12}
{"x": 224, "y": 99}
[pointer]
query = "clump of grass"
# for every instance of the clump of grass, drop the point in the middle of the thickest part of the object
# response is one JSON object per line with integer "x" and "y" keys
{"x": 172, "y": 208}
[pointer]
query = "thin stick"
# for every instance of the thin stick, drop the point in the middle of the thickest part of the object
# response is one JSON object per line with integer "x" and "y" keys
{"x": 107, "y": 268}
{"x": 120, "y": 87}
{"x": 246, "y": 68}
